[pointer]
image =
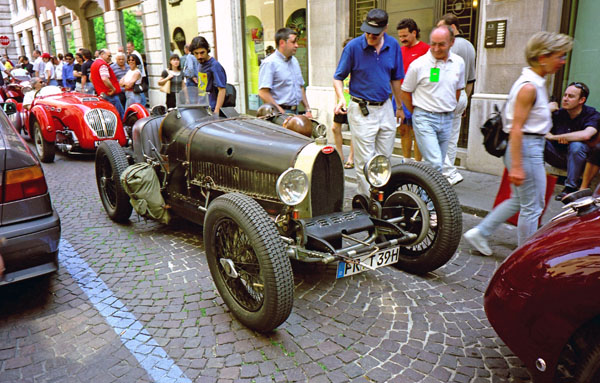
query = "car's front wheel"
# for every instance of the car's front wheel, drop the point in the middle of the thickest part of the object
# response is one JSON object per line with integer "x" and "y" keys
{"x": 422, "y": 202}
{"x": 111, "y": 161}
{"x": 248, "y": 263}
{"x": 45, "y": 149}
{"x": 579, "y": 361}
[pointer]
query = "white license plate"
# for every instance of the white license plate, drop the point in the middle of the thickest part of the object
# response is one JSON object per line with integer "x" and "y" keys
{"x": 379, "y": 259}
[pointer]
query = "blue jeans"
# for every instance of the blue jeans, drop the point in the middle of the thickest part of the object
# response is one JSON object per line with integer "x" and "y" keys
{"x": 114, "y": 99}
{"x": 571, "y": 157}
{"x": 132, "y": 98}
{"x": 432, "y": 132}
{"x": 528, "y": 197}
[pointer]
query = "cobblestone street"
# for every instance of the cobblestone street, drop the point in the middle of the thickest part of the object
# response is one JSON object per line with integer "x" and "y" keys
{"x": 152, "y": 280}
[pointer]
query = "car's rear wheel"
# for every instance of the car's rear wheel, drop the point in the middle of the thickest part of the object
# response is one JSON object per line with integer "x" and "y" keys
{"x": 579, "y": 361}
{"x": 248, "y": 263}
{"x": 442, "y": 219}
{"x": 45, "y": 149}
{"x": 111, "y": 161}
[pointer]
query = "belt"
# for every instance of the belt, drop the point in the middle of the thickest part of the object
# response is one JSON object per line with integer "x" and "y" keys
{"x": 533, "y": 134}
{"x": 361, "y": 101}
{"x": 289, "y": 107}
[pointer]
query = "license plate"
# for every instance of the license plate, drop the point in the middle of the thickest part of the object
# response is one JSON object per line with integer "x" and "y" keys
{"x": 379, "y": 259}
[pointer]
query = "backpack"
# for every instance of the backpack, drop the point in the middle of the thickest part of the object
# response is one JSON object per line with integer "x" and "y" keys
{"x": 495, "y": 139}
{"x": 230, "y": 95}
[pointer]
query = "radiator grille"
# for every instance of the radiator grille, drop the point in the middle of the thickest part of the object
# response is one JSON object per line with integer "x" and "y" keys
{"x": 228, "y": 178}
{"x": 102, "y": 121}
{"x": 327, "y": 185}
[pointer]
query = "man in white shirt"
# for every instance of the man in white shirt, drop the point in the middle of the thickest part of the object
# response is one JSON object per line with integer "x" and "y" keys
{"x": 38, "y": 64}
{"x": 431, "y": 90}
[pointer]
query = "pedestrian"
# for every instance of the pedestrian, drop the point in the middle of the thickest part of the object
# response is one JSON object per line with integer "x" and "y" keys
{"x": 412, "y": 48}
{"x": 374, "y": 63}
{"x": 132, "y": 81}
{"x": 49, "y": 71}
{"x": 58, "y": 65}
{"x": 211, "y": 75}
{"x": 25, "y": 64}
{"x": 280, "y": 80}
{"x": 186, "y": 54}
{"x": 68, "y": 79}
{"x": 466, "y": 51}
{"x": 430, "y": 91}
{"x": 173, "y": 74}
{"x": 120, "y": 68}
{"x": 528, "y": 120}
{"x": 572, "y": 125}
{"x": 342, "y": 118}
{"x": 86, "y": 84}
{"x": 105, "y": 82}
{"x": 38, "y": 63}
{"x": 77, "y": 71}
{"x": 131, "y": 50}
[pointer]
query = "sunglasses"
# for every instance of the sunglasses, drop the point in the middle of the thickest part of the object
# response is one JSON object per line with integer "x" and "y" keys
{"x": 585, "y": 91}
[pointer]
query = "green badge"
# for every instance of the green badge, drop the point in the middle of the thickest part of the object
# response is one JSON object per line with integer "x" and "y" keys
{"x": 434, "y": 76}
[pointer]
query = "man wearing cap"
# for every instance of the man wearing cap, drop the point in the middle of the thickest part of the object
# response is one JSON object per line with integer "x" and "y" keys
{"x": 374, "y": 63}
{"x": 430, "y": 91}
{"x": 105, "y": 82}
{"x": 280, "y": 80}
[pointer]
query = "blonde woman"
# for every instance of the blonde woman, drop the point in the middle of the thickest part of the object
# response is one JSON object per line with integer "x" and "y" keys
{"x": 528, "y": 120}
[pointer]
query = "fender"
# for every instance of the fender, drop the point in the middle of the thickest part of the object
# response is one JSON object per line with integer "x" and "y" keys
{"x": 19, "y": 117}
{"x": 137, "y": 109}
{"x": 45, "y": 121}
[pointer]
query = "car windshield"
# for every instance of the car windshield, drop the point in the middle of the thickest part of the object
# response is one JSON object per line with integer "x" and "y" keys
{"x": 191, "y": 96}
{"x": 20, "y": 74}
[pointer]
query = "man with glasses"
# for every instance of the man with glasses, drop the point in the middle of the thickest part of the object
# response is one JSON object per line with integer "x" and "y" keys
{"x": 68, "y": 79}
{"x": 374, "y": 63}
{"x": 572, "y": 125}
{"x": 105, "y": 81}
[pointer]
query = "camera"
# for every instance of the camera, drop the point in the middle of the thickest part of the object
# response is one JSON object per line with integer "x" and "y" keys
{"x": 363, "y": 108}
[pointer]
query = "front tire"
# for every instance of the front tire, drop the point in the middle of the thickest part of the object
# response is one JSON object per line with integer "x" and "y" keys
{"x": 248, "y": 263}
{"x": 579, "y": 361}
{"x": 45, "y": 149}
{"x": 111, "y": 161}
{"x": 443, "y": 220}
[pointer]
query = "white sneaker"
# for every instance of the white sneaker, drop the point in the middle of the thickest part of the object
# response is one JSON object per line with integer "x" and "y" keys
{"x": 455, "y": 178}
{"x": 478, "y": 241}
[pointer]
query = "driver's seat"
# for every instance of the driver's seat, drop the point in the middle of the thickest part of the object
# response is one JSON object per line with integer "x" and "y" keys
{"x": 145, "y": 135}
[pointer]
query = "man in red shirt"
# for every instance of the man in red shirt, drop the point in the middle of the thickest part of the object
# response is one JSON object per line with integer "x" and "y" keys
{"x": 412, "y": 48}
{"x": 105, "y": 81}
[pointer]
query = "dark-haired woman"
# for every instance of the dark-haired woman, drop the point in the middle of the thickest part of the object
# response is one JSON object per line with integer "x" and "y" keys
{"x": 175, "y": 75}
{"x": 131, "y": 80}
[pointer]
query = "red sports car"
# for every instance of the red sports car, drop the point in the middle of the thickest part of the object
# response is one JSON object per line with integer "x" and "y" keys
{"x": 74, "y": 122}
{"x": 543, "y": 300}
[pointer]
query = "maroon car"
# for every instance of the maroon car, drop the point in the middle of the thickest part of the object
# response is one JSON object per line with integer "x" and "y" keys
{"x": 543, "y": 300}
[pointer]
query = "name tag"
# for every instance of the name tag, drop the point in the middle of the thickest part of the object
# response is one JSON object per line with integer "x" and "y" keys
{"x": 434, "y": 75}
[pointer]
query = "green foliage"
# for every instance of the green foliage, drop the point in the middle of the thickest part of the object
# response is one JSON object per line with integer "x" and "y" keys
{"x": 99, "y": 32}
{"x": 133, "y": 30}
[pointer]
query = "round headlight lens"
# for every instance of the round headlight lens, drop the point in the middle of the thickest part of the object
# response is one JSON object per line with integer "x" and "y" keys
{"x": 319, "y": 131}
{"x": 378, "y": 170}
{"x": 292, "y": 186}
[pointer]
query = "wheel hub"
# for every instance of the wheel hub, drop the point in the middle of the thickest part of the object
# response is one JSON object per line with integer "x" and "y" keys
{"x": 229, "y": 268}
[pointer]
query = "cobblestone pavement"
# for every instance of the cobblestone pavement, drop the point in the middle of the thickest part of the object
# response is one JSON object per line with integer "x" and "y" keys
{"x": 378, "y": 326}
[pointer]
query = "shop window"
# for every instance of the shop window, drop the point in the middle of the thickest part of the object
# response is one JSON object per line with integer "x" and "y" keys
{"x": 261, "y": 20}
{"x": 49, "y": 35}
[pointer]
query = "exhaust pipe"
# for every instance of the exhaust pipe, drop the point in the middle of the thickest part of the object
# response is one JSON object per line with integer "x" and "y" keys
{"x": 64, "y": 147}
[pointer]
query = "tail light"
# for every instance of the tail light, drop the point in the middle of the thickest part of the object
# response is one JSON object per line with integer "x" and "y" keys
{"x": 24, "y": 183}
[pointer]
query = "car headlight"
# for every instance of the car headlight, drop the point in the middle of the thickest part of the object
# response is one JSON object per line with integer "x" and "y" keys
{"x": 292, "y": 186}
{"x": 319, "y": 130}
{"x": 378, "y": 170}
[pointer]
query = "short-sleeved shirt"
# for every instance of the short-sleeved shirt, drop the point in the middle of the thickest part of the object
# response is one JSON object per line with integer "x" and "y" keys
{"x": 211, "y": 77}
{"x": 119, "y": 72}
{"x": 410, "y": 54}
{"x": 283, "y": 77}
{"x": 176, "y": 80}
{"x": 85, "y": 69}
{"x": 38, "y": 66}
{"x": 562, "y": 122}
{"x": 466, "y": 51}
{"x": 77, "y": 68}
{"x": 49, "y": 67}
{"x": 371, "y": 71}
{"x": 437, "y": 96}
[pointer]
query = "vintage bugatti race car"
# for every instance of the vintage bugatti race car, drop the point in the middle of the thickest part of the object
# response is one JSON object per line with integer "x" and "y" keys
{"x": 73, "y": 122}
{"x": 542, "y": 300}
{"x": 265, "y": 194}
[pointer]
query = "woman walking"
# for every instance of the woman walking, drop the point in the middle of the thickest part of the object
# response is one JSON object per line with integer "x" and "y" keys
{"x": 528, "y": 120}
{"x": 174, "y": 74}
{"x": 131, "y": 81}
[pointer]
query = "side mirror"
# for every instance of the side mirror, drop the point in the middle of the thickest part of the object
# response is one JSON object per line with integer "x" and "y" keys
{"x": 9, "y": 108}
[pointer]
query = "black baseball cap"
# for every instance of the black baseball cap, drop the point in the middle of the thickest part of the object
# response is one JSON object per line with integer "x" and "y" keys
{"x": 376, "y": 21}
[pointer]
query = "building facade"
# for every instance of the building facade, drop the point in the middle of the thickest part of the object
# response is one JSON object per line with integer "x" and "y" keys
{"x": 240, "y": 31}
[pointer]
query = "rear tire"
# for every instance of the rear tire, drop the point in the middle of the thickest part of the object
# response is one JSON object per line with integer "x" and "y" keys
{"x": 240, "y": 236}
{"x": 445, "y": 217}
{"x": 45, "y": 149}
{"x": 111, "y": 161}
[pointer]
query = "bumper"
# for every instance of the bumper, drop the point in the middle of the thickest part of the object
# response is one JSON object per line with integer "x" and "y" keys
{"x": 30, "y": 248}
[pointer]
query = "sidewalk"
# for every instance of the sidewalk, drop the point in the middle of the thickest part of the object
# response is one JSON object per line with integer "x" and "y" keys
{"x": 477, "y": 192}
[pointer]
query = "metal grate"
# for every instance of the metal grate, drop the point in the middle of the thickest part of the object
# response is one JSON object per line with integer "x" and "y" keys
{"x": 102, "y": 121}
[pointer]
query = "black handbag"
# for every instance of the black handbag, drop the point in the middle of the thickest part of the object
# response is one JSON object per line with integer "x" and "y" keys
{"x": 138, "y": 88}
{"x": 495, "y": 140}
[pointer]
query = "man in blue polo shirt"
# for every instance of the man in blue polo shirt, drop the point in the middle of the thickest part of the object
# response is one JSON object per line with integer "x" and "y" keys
{"x": 374, "y": 63}
{"x": 210, "y": 77}
{"x": 572, "y": 124}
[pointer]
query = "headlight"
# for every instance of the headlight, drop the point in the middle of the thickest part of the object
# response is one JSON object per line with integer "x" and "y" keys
{"x": 292, "y": 186}
{"x": 319, "y": 131}
{"x": 378, "y": 170}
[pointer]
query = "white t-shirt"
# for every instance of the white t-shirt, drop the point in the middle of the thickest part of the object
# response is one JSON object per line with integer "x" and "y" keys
{"x": 439, "y": 96}
{"x": 49, "y": 67}
{"x": 129, "y": 75}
